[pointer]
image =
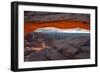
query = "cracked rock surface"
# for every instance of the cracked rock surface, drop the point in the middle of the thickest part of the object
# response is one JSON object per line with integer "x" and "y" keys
{"x": 77, "y": 47}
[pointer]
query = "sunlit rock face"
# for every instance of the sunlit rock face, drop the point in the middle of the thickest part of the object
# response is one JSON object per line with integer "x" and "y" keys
{"x": 65, "y": 25}
{"x": 34, "y": 20}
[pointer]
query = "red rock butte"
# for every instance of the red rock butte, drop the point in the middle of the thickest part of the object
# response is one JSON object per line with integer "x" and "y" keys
{"x": 65, "y": 24}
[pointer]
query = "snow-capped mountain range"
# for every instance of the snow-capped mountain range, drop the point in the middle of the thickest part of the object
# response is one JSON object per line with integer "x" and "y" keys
{"x": 54, "y": 29}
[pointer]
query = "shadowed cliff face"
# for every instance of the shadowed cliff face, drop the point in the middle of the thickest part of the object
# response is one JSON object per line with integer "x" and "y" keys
{"x": 36, "y": 16}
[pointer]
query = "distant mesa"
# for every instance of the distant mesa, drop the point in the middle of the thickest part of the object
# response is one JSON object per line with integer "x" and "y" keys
{"x": 58, "y": 30}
